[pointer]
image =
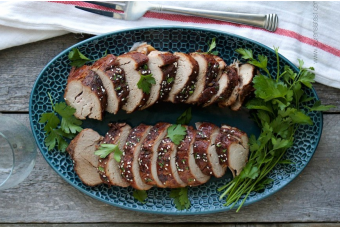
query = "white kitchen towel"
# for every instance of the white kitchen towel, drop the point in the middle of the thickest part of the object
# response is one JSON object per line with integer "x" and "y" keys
{"x": 307, "y": 30}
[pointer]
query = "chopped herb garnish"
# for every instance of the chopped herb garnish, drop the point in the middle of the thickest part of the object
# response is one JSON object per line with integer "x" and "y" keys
{"x": 101, "y": 169}
{"x": 170, "y": 79}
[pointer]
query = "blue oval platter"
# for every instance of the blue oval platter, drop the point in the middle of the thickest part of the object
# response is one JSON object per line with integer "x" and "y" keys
{"x": 205, "y": 198}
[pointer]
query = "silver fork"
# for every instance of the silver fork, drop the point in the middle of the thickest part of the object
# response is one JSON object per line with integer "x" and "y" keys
{"x": 135, "y": 10}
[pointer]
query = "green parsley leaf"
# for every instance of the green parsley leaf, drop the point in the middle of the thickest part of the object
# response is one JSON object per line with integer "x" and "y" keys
{"x": 256, "y": 103}
{"x": 176, "y": 133}
{"x": 77, "y": 58}
{"x": 185, "y": 118}
{"x": 268, "y": 89}
{"x": 249, "y": 171}
{"x": 318, "y": 107}
{"x": 180, "y": 196}
{"x": 51, "y": 119}
{"x": 307, "y": 78}
{"x": 57, "y": 137}
{"x": 145, "y": 83}
{"x": 69, "y": 124}
{"x": 68, "y": 127}
{"x": 105, "y": 149}
{"x": 140, "y": 195}
{"x": 246, "y": 53}
{"x": 212, "y": 46}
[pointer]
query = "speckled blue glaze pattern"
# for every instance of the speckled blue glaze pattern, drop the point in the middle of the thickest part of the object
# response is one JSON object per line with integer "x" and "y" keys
{"x": 204, "y": 198}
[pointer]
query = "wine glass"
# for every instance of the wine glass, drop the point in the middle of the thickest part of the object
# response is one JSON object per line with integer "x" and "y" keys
{"x": 17, "y": 152}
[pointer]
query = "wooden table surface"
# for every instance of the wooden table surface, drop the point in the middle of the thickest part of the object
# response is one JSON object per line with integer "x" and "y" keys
{"x": 45, "y": 199}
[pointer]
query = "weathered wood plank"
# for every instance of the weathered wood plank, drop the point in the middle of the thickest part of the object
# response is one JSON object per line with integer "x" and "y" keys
{"x": 176, "y": 225}
{"x": 20, "y": 66}
{"x": 312, "y": 197}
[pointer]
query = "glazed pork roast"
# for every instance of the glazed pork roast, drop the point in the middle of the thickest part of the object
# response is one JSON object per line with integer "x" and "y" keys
{"x": 111, "y": 83}
{"x": 151, "y": 159}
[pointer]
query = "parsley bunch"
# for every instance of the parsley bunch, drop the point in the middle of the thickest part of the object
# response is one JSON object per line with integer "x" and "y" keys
{"x": 278, "y": 108}
{"x": 57, "y": 130}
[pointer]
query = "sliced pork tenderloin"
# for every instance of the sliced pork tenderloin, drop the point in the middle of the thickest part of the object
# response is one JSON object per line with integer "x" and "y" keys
{"x": 85, "y": 92}
{"x": 114, "y": 81}
{"x": 109, "y": 168}
{"x": 227, "y": 83}
{"x": 247, "y": 73}
{"x": 163, "y": 66}
{"x": 85, "y": 162}
{"x": 204, "y": 149}
{"x": 166, "y": 164}
{"x": 225, "y": 101}
{"x": 187, "y": 168}
{"x": 134, "y": 65}
{"x": 208, "y": 72}
{"x": 213, "y": 88}
{"x": 149, "y": 153}
{"x": 129, "y": 162}
{"x": 237, "y": 154}
{"x": 185, "y": 79}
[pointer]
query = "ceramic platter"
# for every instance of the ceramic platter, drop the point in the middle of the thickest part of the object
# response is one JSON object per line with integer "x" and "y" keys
{"x": 205, "y": 198}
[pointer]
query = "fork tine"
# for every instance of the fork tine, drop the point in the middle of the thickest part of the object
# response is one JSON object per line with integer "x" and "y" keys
{"x": 113, "y": 5}
{"x": 101, "y": 12}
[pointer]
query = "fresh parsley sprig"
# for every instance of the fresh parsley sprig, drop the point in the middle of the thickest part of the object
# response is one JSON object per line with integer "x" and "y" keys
{"x": 145, "y": 83}
{"x": 176, "y": 133}
{"x": 140, "y": 195}
{"x": 105, "y": 149}
{"x": 212, "y": 46}
{"x": 278, "y": 109}
{"x": 180, "y": 196}
{"x": 185, "y": 117}
{"x": 78, "y": 59}
{"x": 57, "y": 130}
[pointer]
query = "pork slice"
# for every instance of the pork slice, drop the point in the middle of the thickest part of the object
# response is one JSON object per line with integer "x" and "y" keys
{"x": 114, "y": 82}
{"x": 149, "y": 152}
{"x": 85, "y": 163}
{"x": 185, "y": 79}
{"x": 163, "y": 66}
{"x": 213, "y": 89}
{"x": 247, "y": 73}
{"x": 237, "y": 154}
{"x": 224, "y": 146}
{"x": 134, "y": 65}
{"x": 227, "y": 83}
{"x": 208, "y": 72}
{"x": 109, "y": 168}
{"x": 187, "y": 168}
{"x": 204, "y": 148}
{"x": 85, "y": 92}
{"x": 166, "y": 164}
{"x": 129, "y": 162}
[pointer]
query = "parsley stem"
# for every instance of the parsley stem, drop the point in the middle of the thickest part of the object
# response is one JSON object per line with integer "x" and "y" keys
{"x": 49, "y": 95}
